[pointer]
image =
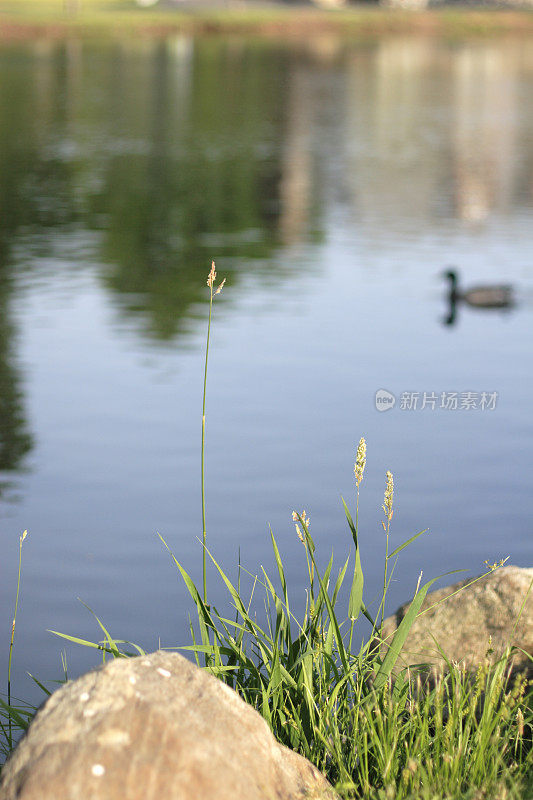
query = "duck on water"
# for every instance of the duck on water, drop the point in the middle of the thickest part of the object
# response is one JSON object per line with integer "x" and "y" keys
{"x": 483, "y": 297}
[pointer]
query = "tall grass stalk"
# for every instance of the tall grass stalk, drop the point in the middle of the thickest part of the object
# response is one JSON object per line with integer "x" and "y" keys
{"x": 356, "y": 600}
{"x": 389, "y": 510}
{"x": 13, "y": 625}
{"x": 212, "y": 292}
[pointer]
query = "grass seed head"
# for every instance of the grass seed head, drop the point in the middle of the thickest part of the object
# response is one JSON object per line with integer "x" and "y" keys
{"x": 360, "y": 461}
{"x": 212, "y": 275}
{"x": 495, "y": 564}
{"x": 389, "y": 496}
{"x": 520, "y": 722}
{"x": 211, "y": 281}
{"x": 305, "y": 521}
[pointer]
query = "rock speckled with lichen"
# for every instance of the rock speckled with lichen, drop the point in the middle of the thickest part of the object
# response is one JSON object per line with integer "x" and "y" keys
{"x": 462, "y": 625}
{"x": 154, "y": 727}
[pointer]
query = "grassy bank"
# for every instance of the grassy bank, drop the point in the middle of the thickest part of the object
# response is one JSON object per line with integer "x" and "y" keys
{"x": 52, "y": 18}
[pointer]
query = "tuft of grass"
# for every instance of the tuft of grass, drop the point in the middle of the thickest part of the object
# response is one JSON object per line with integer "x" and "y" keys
{"x": 373, "y": 734}
{"x": 15, "y": 719}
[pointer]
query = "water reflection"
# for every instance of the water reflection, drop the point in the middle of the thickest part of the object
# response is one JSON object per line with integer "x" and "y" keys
{"x": 486, "y": 104}
{"x": 180, "y": 157}
{"x": 18, "y": 157}
{"x": 428, "y": 122}
{"x": 173, "y": 152}
{"x": 190, "y": 192}
{"x": 143, "y": 160}
{"x": 15, "y": 439}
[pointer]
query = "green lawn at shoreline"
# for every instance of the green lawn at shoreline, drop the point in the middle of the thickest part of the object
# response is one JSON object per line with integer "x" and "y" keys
{"x": 30, "y": 18}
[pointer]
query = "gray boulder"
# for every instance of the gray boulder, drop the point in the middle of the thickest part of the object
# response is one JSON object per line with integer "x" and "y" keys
{"x": 154, "y": 727}
{"x": 461, "y": 626}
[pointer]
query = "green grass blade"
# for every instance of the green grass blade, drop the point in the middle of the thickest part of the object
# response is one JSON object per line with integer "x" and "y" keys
{"x": 111, "y": 642}
{"x": 356, "y": 592}
{"x": 366, "y": 613}
{"x": 327, "y": 600}
{"x": 340, "y": 580}
{"x": 22, "y": 722}
{"x": 204, "y": 618}
{"x": 407, "y": 543}
{"x": 239, "y": 605}
{"x": 113, "y": 651}
{"x": 40, "y": 685}
{"x": 401, "y": 635}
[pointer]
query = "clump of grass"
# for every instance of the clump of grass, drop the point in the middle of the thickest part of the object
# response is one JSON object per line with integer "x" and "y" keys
{"x": 372, "y": 734}
{"x": 374, "y": 731}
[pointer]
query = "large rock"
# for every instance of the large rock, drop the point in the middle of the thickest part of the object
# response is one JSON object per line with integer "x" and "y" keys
{"x": 461, "y": 626}
{"x": 154, "y": 727}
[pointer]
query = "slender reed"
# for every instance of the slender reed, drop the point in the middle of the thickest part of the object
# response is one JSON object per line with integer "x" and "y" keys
{"x": 359, "y": 470}
{"x": 21, "y": 539}
{"x": 210, "y": 282}
{"x": 388, "y": 509}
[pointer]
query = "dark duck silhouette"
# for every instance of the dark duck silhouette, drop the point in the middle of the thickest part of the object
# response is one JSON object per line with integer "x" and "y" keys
{"x": 484, "y": 297}
{"x": 481, "y": 296}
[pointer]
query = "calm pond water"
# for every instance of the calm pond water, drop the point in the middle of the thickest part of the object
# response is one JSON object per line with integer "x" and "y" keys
{"x": 332, "y": 183}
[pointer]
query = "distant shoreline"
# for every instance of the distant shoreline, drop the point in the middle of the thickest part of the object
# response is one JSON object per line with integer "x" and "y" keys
{"x": 279, "y": 22}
